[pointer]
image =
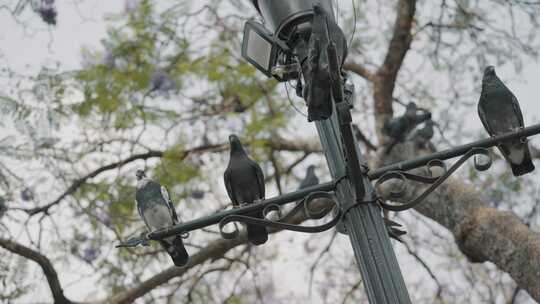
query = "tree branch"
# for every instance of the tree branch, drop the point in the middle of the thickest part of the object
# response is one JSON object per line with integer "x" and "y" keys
{"x": 481, "y": 232}
{"x": 276, "y": 144}
{"x": 386, "y": 75}
{"x": 44, "y": 263}
{"x": 214, "y": 251}
{"x": 360, "y": 70}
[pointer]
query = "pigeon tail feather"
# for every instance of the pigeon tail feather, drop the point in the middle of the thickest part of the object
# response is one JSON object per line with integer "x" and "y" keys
{"x": 257, "y": 235}
{"x": 525, "y": 167}
{"x": 177, "y": 251}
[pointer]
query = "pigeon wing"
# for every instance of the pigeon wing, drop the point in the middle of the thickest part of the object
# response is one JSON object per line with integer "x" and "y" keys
{"x": 166, "y": 197}
{"x": 228, "y": 186}
{"x": 517, "y": 109}
{"x": 482, "y": 116}
{"x": 141, "y": 214}
{"x": 260, "y": 179}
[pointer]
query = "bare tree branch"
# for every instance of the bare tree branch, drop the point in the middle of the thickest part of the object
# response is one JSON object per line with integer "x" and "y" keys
{"x": 360, "y": 70}
{"x": 386, "y": 75}
{"x": 214, "y": 251}
{"x": 44, "y": 263}
{"x": 276, "y": 144}
{"x": 481, "y": 232}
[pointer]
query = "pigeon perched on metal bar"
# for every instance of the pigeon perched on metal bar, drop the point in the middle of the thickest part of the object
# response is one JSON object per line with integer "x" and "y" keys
{"x": 310, "y": 179}
{"x": 157, "y": 211}
{"x": 317, "y": 91}
{"x": 244, "y": 181}
{"x": 499, "y": 112}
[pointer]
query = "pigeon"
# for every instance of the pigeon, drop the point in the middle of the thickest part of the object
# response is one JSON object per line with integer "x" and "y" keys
{"x": 422, "y": 136}
{"x": 310, "y": 179}
{"x": 399, "y": 127}
{"x": 315, "y": 67}
{"x": 499, "y": 112}
{"x": 244, "y": 181}
{"x": 157, "y": 211}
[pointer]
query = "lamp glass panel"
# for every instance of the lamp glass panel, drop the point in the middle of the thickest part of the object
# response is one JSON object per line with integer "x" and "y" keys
{"x": 259, "y": 49}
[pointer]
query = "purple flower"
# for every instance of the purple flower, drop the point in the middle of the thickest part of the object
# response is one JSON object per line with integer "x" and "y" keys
{"x": 27, "y": 195}
{"x": 90, "y": 254}
{"x": 161, "y": 81}
{"x": 104, "y": 218}
{"x": 47, "y": 11}
{"x": 109, "y": 60}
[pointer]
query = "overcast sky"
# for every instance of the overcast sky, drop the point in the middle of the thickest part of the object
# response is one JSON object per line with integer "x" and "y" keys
{"x": 25, "y": 48}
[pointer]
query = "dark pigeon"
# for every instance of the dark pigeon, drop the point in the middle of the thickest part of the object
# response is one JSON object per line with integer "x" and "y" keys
{"x": 317, "y": 90}
{"x": 499, "y": 112}
{"x": 398, "y": 128}
{"x": 157, "y": 211}
{"x": 244, "y": 181}
{"x": 310, "y": 179}
{"x": 422, "y": 136}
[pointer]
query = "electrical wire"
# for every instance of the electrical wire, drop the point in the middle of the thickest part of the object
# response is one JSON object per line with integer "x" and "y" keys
{"x": 291, "y": 102}
{"x": 354, "y": 27}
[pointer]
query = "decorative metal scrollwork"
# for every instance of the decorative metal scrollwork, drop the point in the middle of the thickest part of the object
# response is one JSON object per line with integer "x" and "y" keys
{"x": 435, "y": 181}
{"x": 280, "y": 223}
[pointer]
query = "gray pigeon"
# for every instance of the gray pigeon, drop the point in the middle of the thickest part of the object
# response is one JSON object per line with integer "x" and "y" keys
{"x": 310, "y": 179}
{"x": 499, "y": 112}
{"x": 244, "y": 181}
{"x": 157, "y": 211}
{"x": 422, "y": 136}
{"x": 399, "y": 127}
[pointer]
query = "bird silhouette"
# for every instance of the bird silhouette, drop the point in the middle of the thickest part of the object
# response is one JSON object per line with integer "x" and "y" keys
{"x": 157, "y": 211}
{"x": 499, "y": 112}
{"x": 244, "y": 181}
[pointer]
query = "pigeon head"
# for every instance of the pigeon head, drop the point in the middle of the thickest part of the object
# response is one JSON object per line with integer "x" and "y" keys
{"x": 311, "y": 169}
{"x": 317, "y": 9}
{"x": 236, "y": 145}
{"x": 490, "y": 70}
{"x": 411, "y": 109}
{"x": 490, "y": 78}
{"x": 140, "y": 174}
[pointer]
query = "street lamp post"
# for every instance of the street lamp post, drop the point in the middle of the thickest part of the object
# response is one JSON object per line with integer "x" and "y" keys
{"x": 301, "y": 41}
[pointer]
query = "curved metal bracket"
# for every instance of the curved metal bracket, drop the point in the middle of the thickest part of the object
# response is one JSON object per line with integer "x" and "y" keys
{"x": 435, "y": 181}
{"x": 278, "y": 224}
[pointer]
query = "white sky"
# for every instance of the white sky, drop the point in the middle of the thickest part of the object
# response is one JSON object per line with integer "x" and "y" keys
{"x": 25, "y": 49}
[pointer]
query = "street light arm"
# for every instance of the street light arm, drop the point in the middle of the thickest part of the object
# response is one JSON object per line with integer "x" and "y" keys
{"x": 453, "y": 152}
